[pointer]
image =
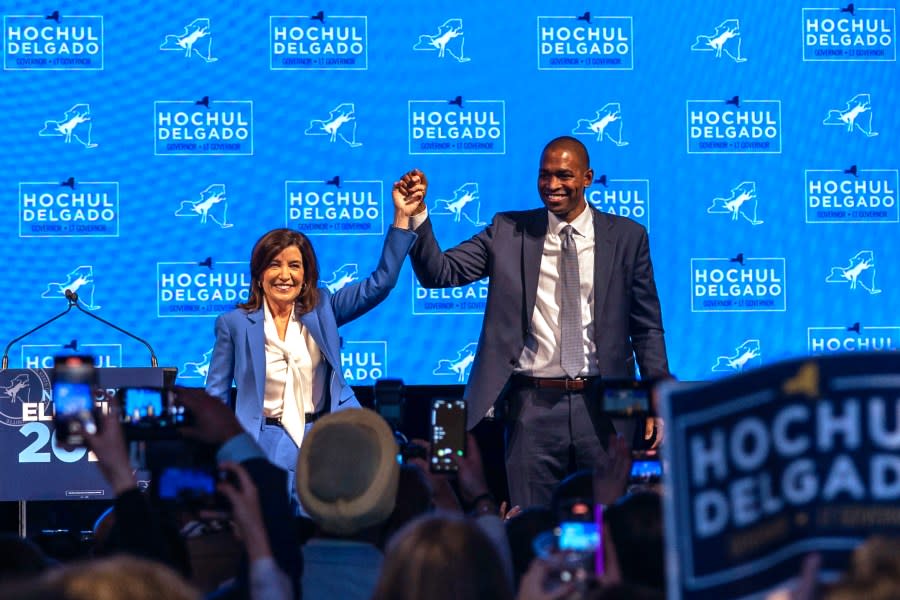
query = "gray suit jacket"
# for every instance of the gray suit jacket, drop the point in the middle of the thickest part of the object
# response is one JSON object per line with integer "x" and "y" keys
{"x": 627, "y": 314}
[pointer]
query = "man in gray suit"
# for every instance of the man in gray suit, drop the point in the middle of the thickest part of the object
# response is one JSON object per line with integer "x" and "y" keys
{"x": 553, "y": 422}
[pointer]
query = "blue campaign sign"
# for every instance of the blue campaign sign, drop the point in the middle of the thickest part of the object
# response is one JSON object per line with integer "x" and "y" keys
{"x": 765, "y": 467}
{"x": 35, "y": 467}
{"x": 146, "y": 145}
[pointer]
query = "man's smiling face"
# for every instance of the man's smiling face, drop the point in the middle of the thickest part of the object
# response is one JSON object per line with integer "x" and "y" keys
{"x": 562, "y": 179}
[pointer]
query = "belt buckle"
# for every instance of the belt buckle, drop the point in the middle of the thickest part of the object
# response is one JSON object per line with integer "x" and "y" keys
{"x": 572, "y": 384}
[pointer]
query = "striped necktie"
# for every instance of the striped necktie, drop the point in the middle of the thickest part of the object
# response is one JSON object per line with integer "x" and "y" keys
{"x": 571, "y": 344}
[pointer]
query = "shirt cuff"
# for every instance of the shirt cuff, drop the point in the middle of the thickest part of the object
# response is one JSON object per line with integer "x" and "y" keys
{"x": 239, "y": 448}
{"x": 418, "y": 219}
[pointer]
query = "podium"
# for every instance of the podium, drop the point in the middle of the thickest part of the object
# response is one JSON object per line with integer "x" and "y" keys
{"x": 33, "y": 466}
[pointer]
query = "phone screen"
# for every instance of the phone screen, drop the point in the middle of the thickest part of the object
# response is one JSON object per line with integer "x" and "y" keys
{"x": 645, "y": 471}
{"x": 73, "y": 398}
{"x": 578, "y": 536}
{"x": 176, "y": 483}
{"x": 448, "y": 434}
{"x": 626, "y": 400}
{"x": 193, "y": 487}
{"x": 140, "y": 404}
{"x": 151, "y": 413}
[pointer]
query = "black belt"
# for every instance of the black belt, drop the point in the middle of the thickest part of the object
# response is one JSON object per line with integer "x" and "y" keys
{"x": 576, "y": 384}
{"x": 310, "y": 418}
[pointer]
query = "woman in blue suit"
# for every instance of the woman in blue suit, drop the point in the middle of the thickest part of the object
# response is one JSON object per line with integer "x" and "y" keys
{"x": 281, "y": 348}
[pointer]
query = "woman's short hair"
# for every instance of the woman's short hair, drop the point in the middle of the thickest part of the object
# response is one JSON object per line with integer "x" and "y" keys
{"x": 265, "y": 250}
{"x": 442, "y": 557}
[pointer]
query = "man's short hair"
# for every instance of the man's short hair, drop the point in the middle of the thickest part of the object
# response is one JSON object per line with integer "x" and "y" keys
{"x": 570, "y": 143}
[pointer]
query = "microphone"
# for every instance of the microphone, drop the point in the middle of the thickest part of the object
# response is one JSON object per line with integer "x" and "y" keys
{"x": 72, "y": 297}
{"x": 5, "y": 361}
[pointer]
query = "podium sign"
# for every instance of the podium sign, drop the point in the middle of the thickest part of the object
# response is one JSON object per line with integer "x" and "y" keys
{"x": 765, "y": 467}
{"x": 33, "y": 466}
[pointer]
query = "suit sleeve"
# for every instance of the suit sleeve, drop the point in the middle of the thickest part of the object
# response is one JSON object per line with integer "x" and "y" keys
{"x": 221, "y": 366}
{"x": 465, "y": 263}
{"x": 355, "y": 300}
{"x": 645, "y": 324}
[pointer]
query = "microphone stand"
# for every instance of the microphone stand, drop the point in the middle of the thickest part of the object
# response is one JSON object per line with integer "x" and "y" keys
{"x": 23, "y": 529}
{"x": 5, "y": 360}
{"x": 72, "y": 297}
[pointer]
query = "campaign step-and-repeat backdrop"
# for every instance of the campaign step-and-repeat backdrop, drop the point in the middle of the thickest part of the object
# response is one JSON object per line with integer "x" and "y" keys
{"x": 146, "y": 145}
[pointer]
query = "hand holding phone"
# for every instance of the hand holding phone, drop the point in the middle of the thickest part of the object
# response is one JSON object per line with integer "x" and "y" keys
{"x": 579, "y": 542}
{"x": 448, "y": 434}
{"x": 74, "y": 408}
{"x": 152, "y": 413}
{"x": 111, "y": 448}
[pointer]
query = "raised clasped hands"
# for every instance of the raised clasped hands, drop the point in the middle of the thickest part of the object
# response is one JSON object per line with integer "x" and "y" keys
{"x": 409, "y": 192}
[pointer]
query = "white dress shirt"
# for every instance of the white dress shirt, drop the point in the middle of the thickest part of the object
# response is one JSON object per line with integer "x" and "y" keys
{"x": 295, "y": 361}
{"x": 541, "y": 355}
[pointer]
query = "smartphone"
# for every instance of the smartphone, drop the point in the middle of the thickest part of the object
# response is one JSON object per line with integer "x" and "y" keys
{"x": 74, "y": 408}
{"x": 448, "y": 434}
{"x": 149, "y": 412}
{"x": 389, "y": 401}
{"x": 628, "y": 403}
{"x": 626, "y": 397}
{"x": 578, "y": 536}
{"x": 191, "y": 487}
{"x": 645, "y": 471}
{"x": 581, "y": 541}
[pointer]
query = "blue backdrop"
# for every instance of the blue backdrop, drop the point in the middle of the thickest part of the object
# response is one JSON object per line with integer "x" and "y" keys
{"x": 147, "y": 145}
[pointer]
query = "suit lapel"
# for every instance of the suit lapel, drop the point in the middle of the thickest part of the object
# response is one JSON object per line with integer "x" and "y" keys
{"x": 311, "y": 321}
{"x": 532, "y": 252}
{"x": 256, "y": 342}
{"x": 604, "y": 252}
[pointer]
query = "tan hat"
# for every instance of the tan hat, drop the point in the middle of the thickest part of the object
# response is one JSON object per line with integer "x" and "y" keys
{"x": 347, "y": 471}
